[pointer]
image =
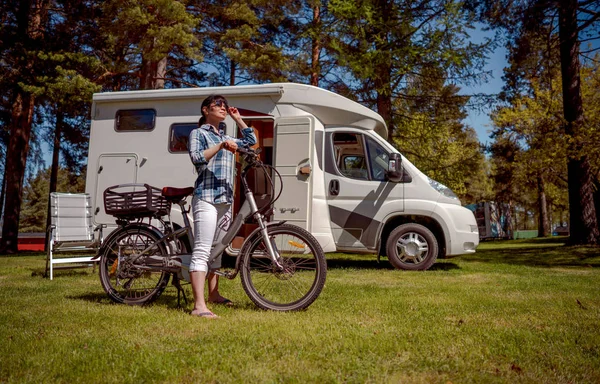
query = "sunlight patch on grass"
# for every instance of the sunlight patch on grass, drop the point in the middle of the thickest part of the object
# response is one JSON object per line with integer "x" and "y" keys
{"x": 517, "y": 313}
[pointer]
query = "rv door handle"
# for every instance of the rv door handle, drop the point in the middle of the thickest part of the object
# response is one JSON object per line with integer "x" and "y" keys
{"x": 305, "y": 170}
{"x": 334, "y": 187}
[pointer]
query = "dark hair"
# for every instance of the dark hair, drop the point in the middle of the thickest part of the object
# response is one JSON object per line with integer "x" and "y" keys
{"x": 206, "y": 103}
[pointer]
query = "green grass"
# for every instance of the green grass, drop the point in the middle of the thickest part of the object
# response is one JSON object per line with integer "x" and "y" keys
{"x": 516, "y": 311}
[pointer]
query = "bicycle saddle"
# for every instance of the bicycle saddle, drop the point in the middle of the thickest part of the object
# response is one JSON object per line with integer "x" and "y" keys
{"x": 173, "y": 194}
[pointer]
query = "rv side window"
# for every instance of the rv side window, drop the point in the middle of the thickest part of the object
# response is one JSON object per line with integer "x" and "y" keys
{"x": 378, "y": 159}
{"x": 135, "y": 120}
{"x": 350, "y": 155}
{"x": 178, "y": 136}
{"x": 359, "y": 156}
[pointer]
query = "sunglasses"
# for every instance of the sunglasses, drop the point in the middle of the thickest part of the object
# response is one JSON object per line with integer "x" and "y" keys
{"x": 221, "y": 103}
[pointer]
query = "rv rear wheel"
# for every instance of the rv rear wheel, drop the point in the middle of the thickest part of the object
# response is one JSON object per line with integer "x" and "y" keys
{"x": 412, "y": 247}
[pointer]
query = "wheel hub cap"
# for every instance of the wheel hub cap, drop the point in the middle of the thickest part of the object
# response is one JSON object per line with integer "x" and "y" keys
{"x": 412, "y": 248}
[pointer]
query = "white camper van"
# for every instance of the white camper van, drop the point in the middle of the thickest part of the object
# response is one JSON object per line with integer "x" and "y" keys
{"x": 330, "y": 151}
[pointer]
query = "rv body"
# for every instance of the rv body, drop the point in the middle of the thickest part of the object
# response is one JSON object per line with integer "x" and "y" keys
{"x": 329, "y": 150}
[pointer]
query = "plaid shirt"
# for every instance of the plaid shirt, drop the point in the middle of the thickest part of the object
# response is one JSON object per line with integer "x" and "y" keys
{"x": 215, "y": 177}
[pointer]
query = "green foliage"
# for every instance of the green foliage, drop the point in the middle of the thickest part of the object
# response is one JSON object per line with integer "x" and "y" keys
{"x": 36, "y": 194}
{"x": 432, "y": 136}
{"x": 545, "y": 37}
{"x": 133, "y": 33}
{"x": 587, "y": 139}
{"x": 514, "y": 312}
{"x": 532, "y": 125}
{"x": 405, "y": 59}
{"x": 244, "y": 39}
{"x": 384, "y": 42}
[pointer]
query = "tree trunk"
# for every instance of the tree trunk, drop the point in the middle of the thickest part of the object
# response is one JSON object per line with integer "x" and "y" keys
{"x": 543, "y": 221}
{"x": 30, "y": 32}
{"x": 383, "y": 72}
{"x": 316, "y": 46}
{"x": 54, "y": 167}
{"x": 383, "y": 86}
{"x": 582, "y": 213}
{"x": 16, "y": 161}
{"x": 384, "y": 108}
{"x": 232, "y": 72}
{"x": 3, "y": 191}
{"x": 153, "y": 74}
{"x": 597, "y": 199}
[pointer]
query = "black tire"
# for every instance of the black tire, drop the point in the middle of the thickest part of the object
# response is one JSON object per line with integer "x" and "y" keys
{"x": 299, "y": 284}
{"x": 122, "y": 281}
{"x": 412, "y": 247}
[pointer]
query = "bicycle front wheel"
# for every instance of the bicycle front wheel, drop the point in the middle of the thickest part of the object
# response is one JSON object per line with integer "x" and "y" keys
{"x": 296, "y": 282}
{"x": 122, "y": 278}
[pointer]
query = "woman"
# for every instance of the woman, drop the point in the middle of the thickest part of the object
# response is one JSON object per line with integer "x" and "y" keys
{"x": 212, "y": 153}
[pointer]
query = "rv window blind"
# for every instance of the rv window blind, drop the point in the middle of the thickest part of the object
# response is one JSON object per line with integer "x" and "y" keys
{"x": 135, "y": 120}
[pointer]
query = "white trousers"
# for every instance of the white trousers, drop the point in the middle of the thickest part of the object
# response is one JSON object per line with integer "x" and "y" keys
{"x": 211, "y": 223}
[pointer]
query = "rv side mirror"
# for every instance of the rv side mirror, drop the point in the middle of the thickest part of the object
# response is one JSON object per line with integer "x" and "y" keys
{"x": 394, "y": 173}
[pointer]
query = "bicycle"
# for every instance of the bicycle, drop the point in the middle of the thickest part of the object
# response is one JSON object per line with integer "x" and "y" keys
{"x": 282, "y": 266}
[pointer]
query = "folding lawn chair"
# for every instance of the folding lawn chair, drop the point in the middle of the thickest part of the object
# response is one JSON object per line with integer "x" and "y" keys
{"x": 71, "y": 231}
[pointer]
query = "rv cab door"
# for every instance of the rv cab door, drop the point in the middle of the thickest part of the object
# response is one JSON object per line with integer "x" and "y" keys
{"x": 293, "y": 160}
{"x": 359, "y": 195}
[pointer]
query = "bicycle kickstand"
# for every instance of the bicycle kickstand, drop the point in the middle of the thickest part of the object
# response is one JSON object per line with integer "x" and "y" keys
{"x": 180, "y": 291}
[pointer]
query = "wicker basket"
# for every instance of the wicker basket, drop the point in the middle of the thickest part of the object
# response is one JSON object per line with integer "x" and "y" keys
{"x": 133, "y": 201}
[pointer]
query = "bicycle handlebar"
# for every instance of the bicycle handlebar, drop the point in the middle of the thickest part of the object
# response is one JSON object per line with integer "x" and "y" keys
{"x": 253, "y": 161}
{"x": 247, "y": 151}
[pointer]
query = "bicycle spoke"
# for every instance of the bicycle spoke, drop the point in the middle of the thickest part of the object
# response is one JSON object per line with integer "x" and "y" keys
{"x": 295, "y": 281}
{"x": 121, "y": 277}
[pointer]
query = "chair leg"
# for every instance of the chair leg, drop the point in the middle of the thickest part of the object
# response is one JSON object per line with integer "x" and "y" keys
{"x": 49, "y": 263}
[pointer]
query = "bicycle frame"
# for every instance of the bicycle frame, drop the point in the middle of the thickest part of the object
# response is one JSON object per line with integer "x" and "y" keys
{"x": 179, "y": 262}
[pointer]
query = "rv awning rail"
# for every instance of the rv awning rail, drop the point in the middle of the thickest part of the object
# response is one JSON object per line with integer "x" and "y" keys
{"x": 156, "y": 94}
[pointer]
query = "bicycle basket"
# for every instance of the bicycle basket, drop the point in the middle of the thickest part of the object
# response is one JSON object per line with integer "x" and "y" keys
{"x": 132, "y": 201}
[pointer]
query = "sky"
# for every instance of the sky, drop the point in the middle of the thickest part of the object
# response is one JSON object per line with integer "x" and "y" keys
{"x": 479, "y": 120}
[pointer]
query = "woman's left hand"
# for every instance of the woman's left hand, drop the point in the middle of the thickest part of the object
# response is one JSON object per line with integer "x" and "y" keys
{"x": 233, "y": 111}
{"x": 235, "y": 114}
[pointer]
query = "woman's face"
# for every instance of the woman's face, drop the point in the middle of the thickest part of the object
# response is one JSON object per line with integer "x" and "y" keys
{"x": 216, "y": 111}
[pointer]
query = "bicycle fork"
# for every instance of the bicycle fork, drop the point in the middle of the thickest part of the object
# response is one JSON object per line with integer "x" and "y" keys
{"x": 247, "y": 209}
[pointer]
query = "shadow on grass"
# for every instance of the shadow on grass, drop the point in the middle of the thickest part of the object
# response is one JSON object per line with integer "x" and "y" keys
{"x": 58, "y": 273}
{"x": 383, "y": 264}
{"x": 169, "y": 299}
{"x": 350, "y": 263}
{"x": 92, "y": 297}
{"x": 540, "y": 252}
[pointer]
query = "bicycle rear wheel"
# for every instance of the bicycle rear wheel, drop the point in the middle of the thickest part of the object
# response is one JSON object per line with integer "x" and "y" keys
{"x": 293, "y": 287}
{"x": 122, "y": 279}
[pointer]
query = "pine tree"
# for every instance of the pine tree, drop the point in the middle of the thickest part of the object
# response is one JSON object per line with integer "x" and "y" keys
{"x": 433, "y": 136}
{"x": 243, "y": 40}
{"x": 22, "y": 37}
{"x": 574, "y": 20}
{"x": 141, "y": 42}
{"x": 385, "y": 42}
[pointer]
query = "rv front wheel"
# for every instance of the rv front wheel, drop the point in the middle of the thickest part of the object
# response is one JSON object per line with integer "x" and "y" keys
{"x": 412, "y": 247}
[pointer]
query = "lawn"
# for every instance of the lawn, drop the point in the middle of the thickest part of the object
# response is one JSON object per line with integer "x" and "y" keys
{"x": 516, "y": 311}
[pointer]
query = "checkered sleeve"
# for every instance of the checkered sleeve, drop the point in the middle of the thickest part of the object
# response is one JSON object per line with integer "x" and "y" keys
{"x": 197, "y": 145}
{"x": 248, "y": 139}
